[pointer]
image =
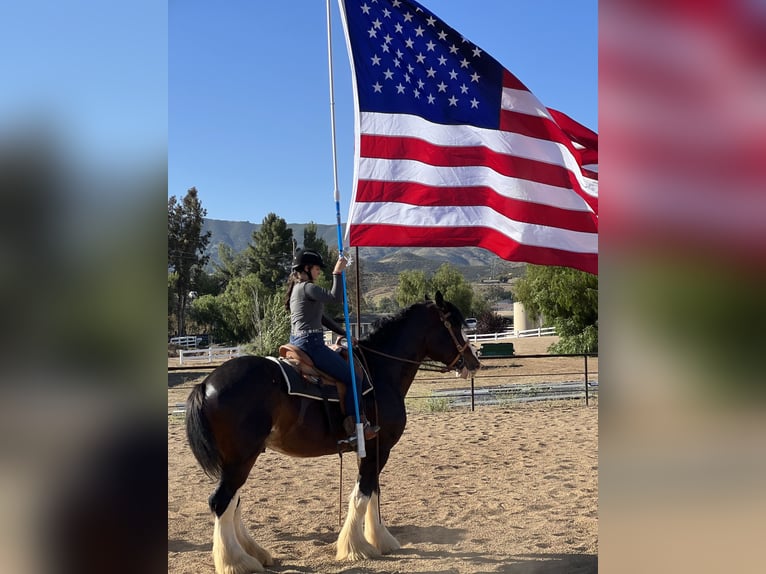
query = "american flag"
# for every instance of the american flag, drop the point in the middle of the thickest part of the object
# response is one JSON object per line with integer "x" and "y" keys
{"x": 452, "y": 150}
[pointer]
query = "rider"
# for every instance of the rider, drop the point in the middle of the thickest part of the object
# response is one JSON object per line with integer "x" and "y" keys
{"x": 305, "y": 301}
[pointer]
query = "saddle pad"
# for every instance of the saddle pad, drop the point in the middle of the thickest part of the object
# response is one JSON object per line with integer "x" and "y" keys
{"x": 297, "y": 385}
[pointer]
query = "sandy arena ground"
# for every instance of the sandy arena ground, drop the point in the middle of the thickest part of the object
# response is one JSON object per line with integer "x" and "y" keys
{"x": 504, "y": 489}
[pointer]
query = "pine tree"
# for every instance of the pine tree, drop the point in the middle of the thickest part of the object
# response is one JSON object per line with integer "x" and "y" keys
{"x": 186, "y": 249}
{"x": 270, "y": 252}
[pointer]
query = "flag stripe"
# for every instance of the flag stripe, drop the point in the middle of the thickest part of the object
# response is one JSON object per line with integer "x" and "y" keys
{"x": 478, "y": 216}
{"x": 404, "y": 170}
{"x": 500, "y": 244}
{"x": 521, "y": 211}
{"x": 520, "y": 145}
{"x": 504, "y": 164}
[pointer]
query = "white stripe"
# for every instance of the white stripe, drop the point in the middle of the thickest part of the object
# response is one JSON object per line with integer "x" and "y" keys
{"x": 390, "y": 213}
{"x": 523, "y": 102}
{"x": 507, "y": 143}
{"x": 438, "y": 176}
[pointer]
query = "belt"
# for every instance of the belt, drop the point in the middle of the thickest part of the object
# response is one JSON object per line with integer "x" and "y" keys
{"x": 306, "y": 332}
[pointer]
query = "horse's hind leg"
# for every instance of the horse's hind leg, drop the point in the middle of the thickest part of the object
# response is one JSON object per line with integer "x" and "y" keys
{"x": 229, "y": 555}
{"x": 248, "y": 543}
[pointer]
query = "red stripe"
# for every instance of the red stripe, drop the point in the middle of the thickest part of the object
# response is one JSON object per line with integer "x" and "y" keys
{"x": 511, "y": 81}
{"x": 517, "y": 210}
{"x": 534, "y": 127}
{"x": 575, "y": 130}
{"x": 484, "y": 237}
{"x": 386, "y": 147}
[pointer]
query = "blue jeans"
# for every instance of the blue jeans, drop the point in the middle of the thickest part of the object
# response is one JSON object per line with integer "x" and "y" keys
{"x": 330, "y": 362}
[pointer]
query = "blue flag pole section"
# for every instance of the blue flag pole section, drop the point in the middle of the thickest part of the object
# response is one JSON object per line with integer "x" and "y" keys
{"x": 360, "y": 452}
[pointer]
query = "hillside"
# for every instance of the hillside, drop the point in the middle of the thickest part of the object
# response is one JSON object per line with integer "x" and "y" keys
{"x": 475, "y": 264}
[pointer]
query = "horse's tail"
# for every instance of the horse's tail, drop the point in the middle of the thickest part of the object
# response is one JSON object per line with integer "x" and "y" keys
{"x": 201, "y": 439}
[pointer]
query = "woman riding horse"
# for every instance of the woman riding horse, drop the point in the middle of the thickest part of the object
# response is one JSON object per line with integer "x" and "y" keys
{"x": 305, "y": 301}
{"x": 243, "y": 407}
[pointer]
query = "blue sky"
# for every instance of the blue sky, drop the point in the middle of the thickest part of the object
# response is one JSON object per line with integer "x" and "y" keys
{"x": 248, "y": 93}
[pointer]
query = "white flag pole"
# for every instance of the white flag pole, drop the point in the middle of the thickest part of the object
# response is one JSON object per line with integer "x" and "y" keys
{"x": 336, "y": 194}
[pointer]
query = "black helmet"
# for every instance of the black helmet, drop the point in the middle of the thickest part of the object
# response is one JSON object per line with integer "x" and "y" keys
{"x": 303, "y": 258}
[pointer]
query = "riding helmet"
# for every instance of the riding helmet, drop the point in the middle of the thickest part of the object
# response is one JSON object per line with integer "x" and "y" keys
{"x": 306, "y": 257}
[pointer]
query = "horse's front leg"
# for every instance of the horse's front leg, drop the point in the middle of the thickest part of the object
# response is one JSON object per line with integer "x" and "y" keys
{"x": 375, "y": 531}
{"x": 352, "y": 544}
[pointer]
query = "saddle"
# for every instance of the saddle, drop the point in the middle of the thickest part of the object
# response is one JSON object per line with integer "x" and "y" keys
{"x": 304, "y": 379}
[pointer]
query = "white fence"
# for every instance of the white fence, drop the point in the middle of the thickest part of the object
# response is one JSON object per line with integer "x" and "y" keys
{"x": 513, "y": 334}
{"x": 209, "y": 355}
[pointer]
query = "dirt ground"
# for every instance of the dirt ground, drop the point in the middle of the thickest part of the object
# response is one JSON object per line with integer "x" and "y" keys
{"x": 504, "y": 489}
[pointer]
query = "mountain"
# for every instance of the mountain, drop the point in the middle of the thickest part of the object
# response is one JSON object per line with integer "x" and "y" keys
{"x": 473, "y": 262}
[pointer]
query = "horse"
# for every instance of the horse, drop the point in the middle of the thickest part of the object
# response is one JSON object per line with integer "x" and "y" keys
{"x": 242, "y": 407}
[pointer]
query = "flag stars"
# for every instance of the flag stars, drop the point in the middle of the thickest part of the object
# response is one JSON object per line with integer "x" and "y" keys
{"x": 421, "y": 84}
{"x": 377, "y": 87}
{"x": 388, "y": 74}
{"x": 386, "y": 13}
{"x": 463, "y": 89}
{"x": 397, "y": 63}
{"x": 430, "y": 45}
{"x": 475, "y": 77}
{"x": 474, "y": 103}
{"x": 410, "y": 69}
{"x": 400, "y": 88}
{"x": 372, "y": 32}
{"x": 407, "y": 17}
{"x": 419, "y": 31}
{"x": 476, "y": 51}
{"x": 453, "y": 49}
{"x": 375, "y": 60}
{"x": 431, "y": 99}
{"x": 416, "y": 93}
{"x": 399, "y": 53}
{"x": 453, "y": 75}
{"x": 453, "y": 101}
{"x": 442, "y": 87}
{"x": 410, "y": 43}
{"x": 431, "y": 73}
{"x": 431, "y": 21}
{"x": 388, "y": 39}
{"x": 399, "y": 28}
{"x": 442, "y": 60}
{"x": 377, "y": 24}
{"x": 442, "y": 35}
{"x": 385, "y": 48}
{"x": 365, "y": 8}
{"x": 420, "y": 58}
{"x": 464, "y": 63}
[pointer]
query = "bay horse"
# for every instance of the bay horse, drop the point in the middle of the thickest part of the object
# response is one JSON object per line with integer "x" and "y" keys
{"x": 243, "y": 407}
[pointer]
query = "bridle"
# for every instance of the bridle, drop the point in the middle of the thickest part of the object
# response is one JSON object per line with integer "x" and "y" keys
{"x": 455, "y": 364}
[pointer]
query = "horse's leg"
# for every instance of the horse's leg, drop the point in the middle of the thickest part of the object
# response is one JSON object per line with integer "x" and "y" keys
{"x": 246, "y": 540}
{"x": 351, "y": 542}
{"x": 228, "y": 554}
{"x": 375, "y": 531}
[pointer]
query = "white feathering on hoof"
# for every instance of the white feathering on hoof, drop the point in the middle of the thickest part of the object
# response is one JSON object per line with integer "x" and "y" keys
{"x": 248, "y": 543}
{"x": 228, "y": 555}
{"x": 351, "y": 542}
{"x": 375, "y": 531}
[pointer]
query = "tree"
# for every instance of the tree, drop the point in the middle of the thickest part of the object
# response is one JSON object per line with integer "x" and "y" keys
{"x": 186, "y": 248}
{"x": 270, "y": 253}
{"x": 413, "y": 286}
{"x": 568, "y": 299}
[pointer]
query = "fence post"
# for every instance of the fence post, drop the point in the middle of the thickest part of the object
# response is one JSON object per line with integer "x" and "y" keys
{"x": 180, "y": 356}
{"x": 472, "y": 389}
{"x": 210, "y": 354}
{"x": 586, "y": 380}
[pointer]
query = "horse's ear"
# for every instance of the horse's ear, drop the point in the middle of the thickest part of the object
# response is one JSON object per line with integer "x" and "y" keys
{"x": 439, "y": 299}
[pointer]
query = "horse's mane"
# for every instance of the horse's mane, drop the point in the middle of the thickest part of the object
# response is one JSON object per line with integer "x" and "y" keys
{"x": 382, "y": 327}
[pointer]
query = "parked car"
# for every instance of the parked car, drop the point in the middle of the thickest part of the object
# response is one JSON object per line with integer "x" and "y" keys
{"x": 470, "y": 324}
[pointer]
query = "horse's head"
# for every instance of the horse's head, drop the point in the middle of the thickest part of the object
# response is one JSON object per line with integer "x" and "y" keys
{"x": 447, "y": 342}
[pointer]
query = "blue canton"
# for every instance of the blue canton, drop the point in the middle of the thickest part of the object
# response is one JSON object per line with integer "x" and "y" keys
{"x": 408, "y": 61}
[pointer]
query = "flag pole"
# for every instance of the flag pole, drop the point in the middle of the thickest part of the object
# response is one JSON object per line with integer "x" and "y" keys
{"x": 336, "y": 193}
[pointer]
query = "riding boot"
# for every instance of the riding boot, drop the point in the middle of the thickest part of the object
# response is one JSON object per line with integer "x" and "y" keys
{"x": 349, "y": 426}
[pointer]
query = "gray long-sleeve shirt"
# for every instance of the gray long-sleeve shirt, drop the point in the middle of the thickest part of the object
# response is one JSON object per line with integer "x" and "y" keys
{"x": 307, "y": 305}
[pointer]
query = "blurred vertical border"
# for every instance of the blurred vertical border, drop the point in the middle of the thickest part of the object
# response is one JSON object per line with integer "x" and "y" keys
{"x": 682, "y": 473}
{"x": 83, "y": 185}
